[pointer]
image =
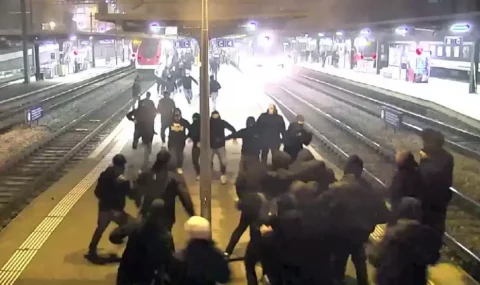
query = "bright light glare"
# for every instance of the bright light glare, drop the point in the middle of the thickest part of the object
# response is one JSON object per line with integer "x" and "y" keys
{"x": 251, "y": 26}
{"x": 73, "y": 38}
{"x": 360, "y": 42}
{"x": 321, "y": 34}
{"x": 265, "y": 40}
{"x": 52, "y": 25}
{"x": 339, "y": 33}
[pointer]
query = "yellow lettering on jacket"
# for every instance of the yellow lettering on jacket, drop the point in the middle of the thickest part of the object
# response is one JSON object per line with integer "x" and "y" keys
{"x": 176, "y": 127}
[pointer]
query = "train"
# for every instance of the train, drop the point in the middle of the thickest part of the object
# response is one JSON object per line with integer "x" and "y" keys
{"x": 133, "y": 48}
{"x": 153, "y": 55}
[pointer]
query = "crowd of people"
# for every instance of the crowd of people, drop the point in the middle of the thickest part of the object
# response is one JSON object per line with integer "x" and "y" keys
{"x": 304, "y": 221}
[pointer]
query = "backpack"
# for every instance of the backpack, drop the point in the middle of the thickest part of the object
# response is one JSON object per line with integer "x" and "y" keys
{"x": 153, "y": 189}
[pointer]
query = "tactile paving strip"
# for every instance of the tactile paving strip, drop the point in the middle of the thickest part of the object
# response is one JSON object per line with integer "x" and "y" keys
{"x": 20, "y": 259}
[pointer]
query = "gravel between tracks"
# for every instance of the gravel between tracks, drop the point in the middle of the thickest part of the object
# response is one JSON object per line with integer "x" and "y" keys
{"x": 15, "y": 141}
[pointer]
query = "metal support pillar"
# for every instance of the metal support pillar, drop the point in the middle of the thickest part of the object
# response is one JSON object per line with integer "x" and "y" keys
{"x": 26, "y": 67}
{"x": 36, "y": 52}
{"x": 472, "y": 87}
{"x": 92, "y": 40}
{"x": 31, "y": 30}
{"x": 116, "y": 43}
{"x": 205, "y": 156}
{"x": 377, "y": 60}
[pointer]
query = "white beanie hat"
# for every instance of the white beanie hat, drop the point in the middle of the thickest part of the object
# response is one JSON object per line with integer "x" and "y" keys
{"x": 198, "y": 228}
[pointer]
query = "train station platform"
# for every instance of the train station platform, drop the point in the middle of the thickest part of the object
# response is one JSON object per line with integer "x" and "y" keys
{"x": 17, "y": 87}
{"x": 46, "y": 242}
{"x": 449, "y": 95}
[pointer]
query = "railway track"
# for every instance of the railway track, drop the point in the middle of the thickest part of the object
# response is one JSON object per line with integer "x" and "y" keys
{"x": 49, "y": 160}
{"x": 461, "y": 138}
{"x": 12, "y": 112}
{"x": 342, "y": 140}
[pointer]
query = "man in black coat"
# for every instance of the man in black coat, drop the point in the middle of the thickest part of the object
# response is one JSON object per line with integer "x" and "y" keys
{"x": 194, "y": 136}
{"x": 217, "y": 142}
{"x": 162, "y": 182}
{"x": 148, "y": 254}
{"x": 177, "y": 135}
{"x": 166, "y": 109}
{"x": 436, "y": 166}
{"x": 111, "y": 191}
{"x": 250, "y": 143}
{"x": 271, "y": 126}
{"x": 296, "y": 137}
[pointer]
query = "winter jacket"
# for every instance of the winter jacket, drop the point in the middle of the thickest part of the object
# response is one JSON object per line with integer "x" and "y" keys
{"x": 407, "y": 182}
{"x": 166, "y": 185}
{"x": 272, "y": 129}
{"x": 250, "y": 140}
{"x": 296, "y": 137}
{"x": 405, "y": 252}
{"x": 194, "y": 132}
{"x": 201, "y": 263}
{"x": 214, "y": 86}
{"x": 112, "y": 189}
{"x": 187, "y": 82}
{"x": 169, "y": 85}
{"x": 217, "y": 132}
{"x": 437, "y": 172}
{"x": 166, "y": 107}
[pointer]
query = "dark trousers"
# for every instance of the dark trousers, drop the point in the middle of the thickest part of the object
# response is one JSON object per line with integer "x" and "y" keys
{"x": 344, "y": 248}
{"x": 165, "y": 122}
{"x": 136, "y": 137}
{"x": 105, "y": 217}
{"x": 196, "y": 158}
{"x": 246, "y": 160}
{"x": 265, "y": 150}
{"x": 242, "y": 226}
{"x": 292, "y": 150}
{"x": 176, "y": 152}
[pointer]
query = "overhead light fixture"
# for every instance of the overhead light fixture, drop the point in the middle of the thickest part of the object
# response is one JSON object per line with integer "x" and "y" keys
{"x": 365, "y": 32}
{"x": 321, "y": 34}
{"x": 460, "y": 28}
{"x": 155, "y": 28}
{"x": 401, "y": 31}
{"x": 339, "y": 33}
{"x": 73, "y": 38}
{"x": 251, "y": 26}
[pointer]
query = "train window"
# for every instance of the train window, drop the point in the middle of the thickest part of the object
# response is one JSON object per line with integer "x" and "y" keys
{"x": 439, "y": 50}
{"x": 448, "y": 51}
{"x": 456, "y": 51}
{"x": 466, "y": 52}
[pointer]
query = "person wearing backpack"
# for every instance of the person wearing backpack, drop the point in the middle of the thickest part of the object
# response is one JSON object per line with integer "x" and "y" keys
{"x": 111, "y": 190}
{"x": 163, "y": 182}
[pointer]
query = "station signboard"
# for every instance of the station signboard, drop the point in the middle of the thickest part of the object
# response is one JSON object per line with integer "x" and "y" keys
{"x": 392, "y": 117}
{"x": 33, "y": 114}
{"x": 453, "y": 41}
{"x": 225, "y": 43}
{"x": 183, "y": 44}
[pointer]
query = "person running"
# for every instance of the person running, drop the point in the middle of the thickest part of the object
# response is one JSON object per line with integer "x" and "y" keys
{"x": 217, "y": 142}
{"x": 214, "y": 88}
{"x": 176, "y": 139}
{"x": 194, "y": 135}
{"x": 166, "y": 109}
{"x": 186, "y": 82}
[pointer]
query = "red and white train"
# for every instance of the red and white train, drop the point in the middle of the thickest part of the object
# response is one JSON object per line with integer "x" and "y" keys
{"x": 153, "y": 54}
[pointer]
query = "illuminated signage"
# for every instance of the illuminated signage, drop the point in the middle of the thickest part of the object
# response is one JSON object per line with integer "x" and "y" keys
{"x": 401, "y": 31}
{"x": 460, "y": 28}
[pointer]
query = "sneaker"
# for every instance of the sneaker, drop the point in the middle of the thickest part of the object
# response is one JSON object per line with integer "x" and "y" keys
{"x": 198, "y": 178}
{"x": 180, "y": 171}
{"x": 223, "y": 179}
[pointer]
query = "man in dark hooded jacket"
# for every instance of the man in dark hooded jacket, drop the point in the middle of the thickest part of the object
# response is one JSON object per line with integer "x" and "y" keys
{"x": 408, "y": 181}
{"x": 144, "y": 118}
{"x": 194, "y": 135}
{"x": 111, "y": 190}
{"x": 176, "y": 139}
{"x": 407, "y": 249}
{"x": 148, "y": 255}
{"x": 356, "y": 209}
{"x": 436, "y": 166}
{"x": 163, "y": 183}
{"x": 166, "y": 109}
{"x": 296, "y": 137}
{"x": 250, "y": 143}
{"x": 271, "y": 126}
{"x": 217, "y": 141}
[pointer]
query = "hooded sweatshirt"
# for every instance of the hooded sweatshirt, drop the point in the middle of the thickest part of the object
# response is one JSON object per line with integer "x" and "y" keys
{"x": 250, "y": 138}
{"x": 217, "y": 130}
{"x": 194, "y": 131}
{"x": 178, "y": 130}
